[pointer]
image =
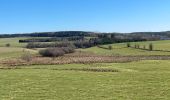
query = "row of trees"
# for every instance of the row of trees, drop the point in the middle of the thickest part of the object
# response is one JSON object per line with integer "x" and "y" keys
{"x": 75, "y": 38}
{"x": 143, "y": 35}
{"x": 137, "y": 46}
{"x": 83, "y": 43}
{"x": 49, "y": 34}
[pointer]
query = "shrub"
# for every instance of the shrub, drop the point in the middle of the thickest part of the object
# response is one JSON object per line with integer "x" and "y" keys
{"x": 68, "y": 50}
{"x": 144, "y": 47}
{"x": 52, "y": 52}
{"x": 150, "y": 46}
{"x": 27, "y": 57}
{"x": 138, "y": 46}
{"x": 30, "y": 45}
{"x": 128, "y": 45}
{"x": 135, "y": 45}
{"x": 56, "y": 52}
{"x": 7, "y": 45}
{"x": 48, "y": 45}
{"x": 110, "y": 47}
{"x": 93, "y": 69}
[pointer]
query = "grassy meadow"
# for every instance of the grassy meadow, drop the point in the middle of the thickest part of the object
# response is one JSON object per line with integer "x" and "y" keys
{"x": 14, "y": 42}
{"x": 121, "y": 49}
{"x": 137, "y": 80}
{"x": 144, "y": 80}
{"x": 14, "y": 52}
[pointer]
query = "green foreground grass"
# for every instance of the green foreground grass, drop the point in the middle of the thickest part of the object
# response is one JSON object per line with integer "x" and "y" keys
{"x": 143, "y": 80}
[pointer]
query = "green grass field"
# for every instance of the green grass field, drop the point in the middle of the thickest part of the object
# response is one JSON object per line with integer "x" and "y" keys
{"x": 10, "y": 52}
{"x": 118, "y": 49}
{"x": 121, "y": 49}
{"x": 144, "y": 80}
{"x": 13, "y": 52}
{"x": 14, "y": 42}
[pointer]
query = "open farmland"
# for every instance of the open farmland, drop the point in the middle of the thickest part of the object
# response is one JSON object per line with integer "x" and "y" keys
{"x": 84, "y": 49}
{"x": 14, "y": 42}
{"x": 13, "y": 52}
{"x": 121, "y": 49}
{"x": 144, "y": 80}
{"x": 92, "y": 73}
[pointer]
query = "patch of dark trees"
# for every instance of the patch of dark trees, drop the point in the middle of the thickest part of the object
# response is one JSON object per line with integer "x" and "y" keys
{"x": 143, "y": 47}
{"x": 56, "y": 52}
{"x": 49, "y": 34}
{"x": 75, "y": 38}
{"x": 146, "y": 35}
{"x": 81, "y": 39}
{"x": 82, "y": 43}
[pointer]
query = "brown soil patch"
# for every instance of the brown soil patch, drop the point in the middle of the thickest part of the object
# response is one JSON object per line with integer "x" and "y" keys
{"x": 69, "y": 59}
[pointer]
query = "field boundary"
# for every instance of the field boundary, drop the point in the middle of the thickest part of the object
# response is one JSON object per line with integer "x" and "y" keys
{"x": 80, "y": 60}
{"x": 149, "y": 50}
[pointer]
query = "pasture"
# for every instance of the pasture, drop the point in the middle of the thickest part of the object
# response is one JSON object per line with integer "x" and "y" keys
{"x": 14, "y": 42}
{"x": 143, "y": 80}
{"x": 13, "y": 52}
{"x": 121, "y": 49}
{"x": 83, "y": 79}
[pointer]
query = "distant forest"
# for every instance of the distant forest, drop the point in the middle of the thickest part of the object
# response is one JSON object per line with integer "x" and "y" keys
{"x": 143, "y": 35}
{"x": 82, "y": 39}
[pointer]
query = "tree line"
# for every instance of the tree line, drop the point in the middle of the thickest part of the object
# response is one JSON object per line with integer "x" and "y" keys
{"x": 143, "y": 35}
{"x": 55, "y": 39}
{"x": 82, "y": 43}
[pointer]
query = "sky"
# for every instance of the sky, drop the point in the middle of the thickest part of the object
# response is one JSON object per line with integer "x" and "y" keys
{"x": 25, "y": 16}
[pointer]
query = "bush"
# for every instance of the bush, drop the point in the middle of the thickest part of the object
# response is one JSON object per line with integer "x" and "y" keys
{"x": 135, "y": 45}
{"x": 49, "y": 45}
{"x": 68, "y": 50}
{"x": 144, "y": 47}
{"x": 52, "y": 52}
{"x": 128, "y": 45}
{"x": 27, "y": 57}
{"x": 138, "y": 46}
{"x": 110, "y": 47}
{"x": 30, "y": 45}
{"x": 56, "y": 52}
{"x": 8, "y": 45}
{"x": 150, "y": 46}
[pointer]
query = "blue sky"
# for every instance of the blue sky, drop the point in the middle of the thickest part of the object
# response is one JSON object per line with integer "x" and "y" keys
{"x": 18, "y": 16}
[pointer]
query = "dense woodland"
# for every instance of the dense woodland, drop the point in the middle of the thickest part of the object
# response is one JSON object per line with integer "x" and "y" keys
{"x": 81, "y": 39}
{"x": 160, "y": 35}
